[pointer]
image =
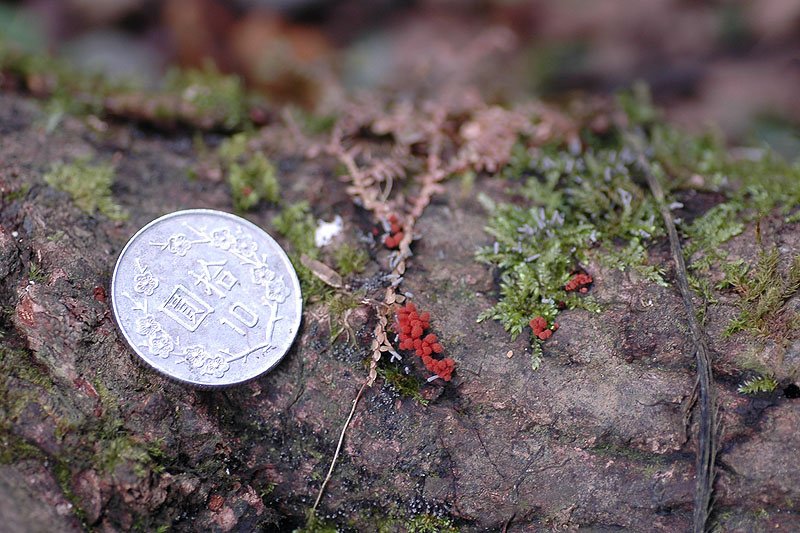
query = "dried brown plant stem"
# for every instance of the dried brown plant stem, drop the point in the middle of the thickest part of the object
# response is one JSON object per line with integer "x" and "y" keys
{"x": 338, "y": 447}
{"x": 706, "y": 438}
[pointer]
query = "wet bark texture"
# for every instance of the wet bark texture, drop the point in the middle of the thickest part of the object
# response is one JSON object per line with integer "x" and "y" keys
{"x": 596, "y": 438}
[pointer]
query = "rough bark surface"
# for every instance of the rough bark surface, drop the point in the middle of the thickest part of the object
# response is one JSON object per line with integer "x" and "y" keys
{"x": 596, "y": 438}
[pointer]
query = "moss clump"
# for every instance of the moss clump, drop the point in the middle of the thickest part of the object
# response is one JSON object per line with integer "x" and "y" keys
{"x": 63, "y": 475}
{"x": 15, "y": 449}
{"x": 89, "y": 185}
{"x": 427, "y": 523}
{"x": 19, "y": 364}
{"x": 406, "y": 385}
{"x": 211, "y": 93}
{"x": 755, "y": 181}
{"x": 252, "y": 177}
{"x": 297, "y": 225}
{"x": 339, "y": 305}
{"x": 125, "y": 449}
{"x": 350, "y": 259}
{"x": 763, "y": 290}
{"x": 36, "y": 274}
{"x": 572, "y": 206}
{"x": 314, "y": 524}
{"x": 253, "y": 182}
{"x": 758, "y": 384}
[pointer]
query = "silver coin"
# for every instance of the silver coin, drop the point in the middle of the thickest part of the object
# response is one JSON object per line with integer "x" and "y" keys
{"x": 206, "y": 297}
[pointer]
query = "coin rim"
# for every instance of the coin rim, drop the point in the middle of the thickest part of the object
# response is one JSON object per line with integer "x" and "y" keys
{"x": 230, "y": 216}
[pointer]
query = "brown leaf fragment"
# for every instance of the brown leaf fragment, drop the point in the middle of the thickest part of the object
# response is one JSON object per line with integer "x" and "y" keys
{"x": 328, "y": 275}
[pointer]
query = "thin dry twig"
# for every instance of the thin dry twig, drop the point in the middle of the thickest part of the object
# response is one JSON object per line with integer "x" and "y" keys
{"x": 338, "y": 447}
{"x": 706, "y": 439}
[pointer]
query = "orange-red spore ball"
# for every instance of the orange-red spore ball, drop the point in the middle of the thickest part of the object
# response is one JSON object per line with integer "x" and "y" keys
{"x": 540, "y": 329}
{"x": 410, "y": 327}
{"x": 395, "y": 237}
{"x": 579, "y": 282}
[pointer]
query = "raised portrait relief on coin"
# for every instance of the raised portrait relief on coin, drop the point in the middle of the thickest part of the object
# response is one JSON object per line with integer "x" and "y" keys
{"x": 206, "y": 297}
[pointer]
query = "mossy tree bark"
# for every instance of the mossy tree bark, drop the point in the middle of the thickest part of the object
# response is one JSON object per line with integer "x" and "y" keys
{"x": 597, "y": 437}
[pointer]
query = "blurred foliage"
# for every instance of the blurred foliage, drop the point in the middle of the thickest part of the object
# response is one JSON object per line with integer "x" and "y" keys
{"x": 210, "y": 92}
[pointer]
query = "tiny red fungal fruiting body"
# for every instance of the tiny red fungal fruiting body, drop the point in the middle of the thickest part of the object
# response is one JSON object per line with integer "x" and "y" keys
{"x": 579, "y": 282}
{"x": 395, "y": 236}
{"x": 539, "y": 326}
{"x": 410, "y": 328}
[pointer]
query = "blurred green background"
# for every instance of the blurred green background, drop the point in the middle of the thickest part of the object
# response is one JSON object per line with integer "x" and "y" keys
{"x": 731, "y": 65}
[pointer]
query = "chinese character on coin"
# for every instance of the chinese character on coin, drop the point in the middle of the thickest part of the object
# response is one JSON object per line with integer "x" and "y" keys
{"x": 206, "y": 298}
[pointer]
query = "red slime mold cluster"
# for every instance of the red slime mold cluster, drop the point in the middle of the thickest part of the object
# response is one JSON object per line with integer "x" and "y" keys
{"x": 392, "y": 241}
{"x": 579, "y": 282}
{"x": 410, "y": 327}
{"x": 540, "y": 329}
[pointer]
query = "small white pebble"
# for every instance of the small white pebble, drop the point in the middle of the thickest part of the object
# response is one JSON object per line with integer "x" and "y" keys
{"x": 510, "y": 354}
{"x": 326, "y": 231}
{"x": 15, "y": 234}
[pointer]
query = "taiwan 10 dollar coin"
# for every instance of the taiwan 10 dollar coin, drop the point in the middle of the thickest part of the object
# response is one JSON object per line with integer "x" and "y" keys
{"x": 206, "y": 298}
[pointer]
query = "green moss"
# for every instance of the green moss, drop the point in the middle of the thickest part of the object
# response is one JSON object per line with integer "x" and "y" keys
{"x": 350, "y": 259}
{"x": 211, "y": 93}
{"x": 15, "y": 449}
{"x": 762, "y": 290}
{"x": 314, "y": 524}
{"x": 253, "y": 182}
{"x": 232, "y": 148}
{"x": 297, "y": 225}
{"x": 36, "y": 274}
{"x": 339, "y": 303}
{"x": 407, "y": 386}
{"x": 89, "y": 185}
{"x": 63, "y": 475}
{"x": 574, "y": 207}
{"x": 16, "y": 194}
{"x": 427, "y": 523}
{"x": 67, "y": 90}
{"x": 125, "y": 449}
{"x": 758, "y": 384}
{"x": 708, "y": 232}
{"x": 311, "y": 123}
{"x": 20, "y": 364}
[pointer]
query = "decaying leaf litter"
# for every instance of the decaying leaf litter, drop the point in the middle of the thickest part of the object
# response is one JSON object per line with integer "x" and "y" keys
{"x": 567, "y": 200}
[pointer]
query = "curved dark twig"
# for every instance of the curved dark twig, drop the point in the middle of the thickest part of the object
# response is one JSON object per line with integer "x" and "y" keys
{"x": 707, "y": 434}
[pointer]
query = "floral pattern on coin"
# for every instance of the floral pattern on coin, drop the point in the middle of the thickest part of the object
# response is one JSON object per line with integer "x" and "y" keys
{"x": 145, "y": 283}
{"x": 246, "y": 247}
{"x": 277, "y": 291}
{"x": 160, "y": 343}
{"x": 202, "y": 363}
{"x": 262, "y": 275}
{"x": 222, "y": 238}
{"x": 147, "y": 325}
{"x": 179, "y": 245}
